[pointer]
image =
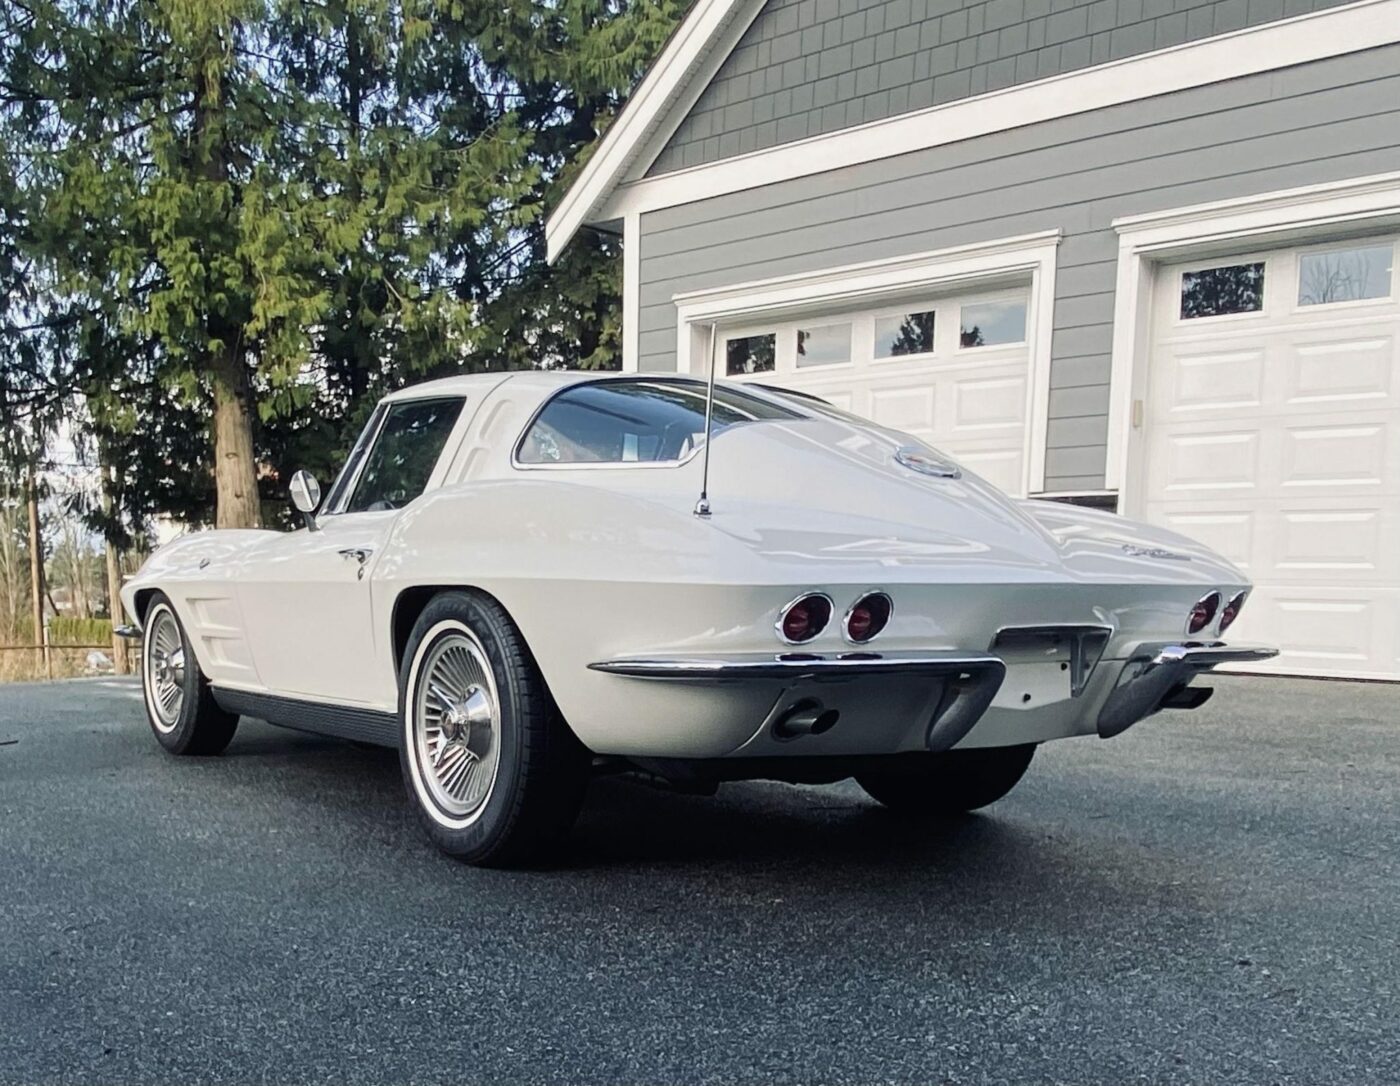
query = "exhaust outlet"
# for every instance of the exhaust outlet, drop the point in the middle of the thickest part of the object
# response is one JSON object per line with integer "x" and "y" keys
{"x": 809, "y": 717}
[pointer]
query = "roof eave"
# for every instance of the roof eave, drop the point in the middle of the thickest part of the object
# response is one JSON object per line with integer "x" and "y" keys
{"x": 648, "y": 109}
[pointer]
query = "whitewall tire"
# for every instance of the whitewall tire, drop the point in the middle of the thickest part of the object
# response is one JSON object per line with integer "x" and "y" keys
{"x": 180, "y": 706}
{"x": 490, "y": 766}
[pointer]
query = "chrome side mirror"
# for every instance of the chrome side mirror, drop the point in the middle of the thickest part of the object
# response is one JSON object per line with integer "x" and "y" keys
{"x": 306, "y": 497}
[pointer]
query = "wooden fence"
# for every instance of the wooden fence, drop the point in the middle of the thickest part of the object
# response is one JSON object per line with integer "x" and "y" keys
{"x": 48, "y": 660}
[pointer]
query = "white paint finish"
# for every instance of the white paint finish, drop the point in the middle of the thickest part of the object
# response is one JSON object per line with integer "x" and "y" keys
{"x": 199, "y": 571}
{"x": 610, "y": 561}
{"x": 987, "y": 406}
{"x": 297, "y": 589}
{"x": 1275, "y": 437}
{"x": 1367, "y": 24}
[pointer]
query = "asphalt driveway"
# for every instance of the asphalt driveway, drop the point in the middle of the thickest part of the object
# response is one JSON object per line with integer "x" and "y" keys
{"x": 1213, "y": 897}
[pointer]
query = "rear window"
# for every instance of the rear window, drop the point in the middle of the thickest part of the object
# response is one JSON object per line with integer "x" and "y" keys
{"x": 640, "y": 421}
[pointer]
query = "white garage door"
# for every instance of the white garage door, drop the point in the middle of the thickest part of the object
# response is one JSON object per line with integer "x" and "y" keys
{"x": 951, "y": 370}
{"x": 1272, "y": 431}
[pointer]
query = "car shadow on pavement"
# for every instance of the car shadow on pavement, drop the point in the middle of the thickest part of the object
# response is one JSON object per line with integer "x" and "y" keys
{"x": 826, "y": 846}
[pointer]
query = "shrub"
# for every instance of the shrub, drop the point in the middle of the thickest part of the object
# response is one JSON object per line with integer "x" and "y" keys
{"x": 69, "y": 630}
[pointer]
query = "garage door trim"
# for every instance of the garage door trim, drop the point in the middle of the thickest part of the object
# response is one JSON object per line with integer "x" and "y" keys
{"x": 1146, "y": 242}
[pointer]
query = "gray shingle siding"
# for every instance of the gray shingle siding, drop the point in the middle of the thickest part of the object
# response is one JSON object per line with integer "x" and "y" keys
{"x": 1313, "y": 123}
{"x": 806, "y": 67}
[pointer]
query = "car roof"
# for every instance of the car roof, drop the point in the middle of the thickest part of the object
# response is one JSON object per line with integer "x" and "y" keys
{"x": 540, "y": 382}
{"x": 465, "y": 384}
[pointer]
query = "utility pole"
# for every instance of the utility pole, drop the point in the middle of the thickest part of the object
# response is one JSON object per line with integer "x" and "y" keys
{"x": 36, "y": 570}
{"x": 114, "y": 562}
{"x": 114, "y": 607}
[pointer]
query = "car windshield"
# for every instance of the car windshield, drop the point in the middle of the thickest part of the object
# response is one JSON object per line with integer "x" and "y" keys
{"x": 635, "y": 421}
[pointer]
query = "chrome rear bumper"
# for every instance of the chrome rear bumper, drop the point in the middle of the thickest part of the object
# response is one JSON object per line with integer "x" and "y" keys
{"x": 798, "y": 665}
{"x": 1158, "y": 671}
{"x": 969, "y": 680}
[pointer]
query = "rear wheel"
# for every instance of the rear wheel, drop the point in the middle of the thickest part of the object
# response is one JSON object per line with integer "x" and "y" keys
{"x": 949, "y": 783}
{"x": 180, "y": 706}
{"x": 493, "y": 770}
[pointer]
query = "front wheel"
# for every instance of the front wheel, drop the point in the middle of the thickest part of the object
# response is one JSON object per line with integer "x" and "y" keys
{"x": 179, "y": 704}
{"x": 950, "y": 783}
{"x": 493, "y": 770}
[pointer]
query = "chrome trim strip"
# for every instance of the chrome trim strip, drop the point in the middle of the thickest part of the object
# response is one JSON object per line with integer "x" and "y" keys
{"x": 612, "y": 465}
{"x": 782, "y": 614}
{"x": 797, "y": 665}
{"x": 1202, "y": 655}
{"x": 1158, "y": 670}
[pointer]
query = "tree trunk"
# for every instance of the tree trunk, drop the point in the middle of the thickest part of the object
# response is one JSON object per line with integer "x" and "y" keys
{"x": 36, "y": 567}
{"x": 235, "y": 474}
{"x": 114, "y": 607}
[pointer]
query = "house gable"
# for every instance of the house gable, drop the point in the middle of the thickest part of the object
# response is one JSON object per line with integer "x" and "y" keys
{"x": 806, "y": 68}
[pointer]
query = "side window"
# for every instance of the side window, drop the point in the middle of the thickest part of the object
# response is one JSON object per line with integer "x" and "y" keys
{"x": 404, "y": 454}
{"x": 634, "y": 421}
{"x": 352, "y": 462}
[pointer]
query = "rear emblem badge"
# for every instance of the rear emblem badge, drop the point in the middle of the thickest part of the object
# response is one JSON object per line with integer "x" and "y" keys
{"x": 1154, "y": 552}
{"x": 926, "y": 463}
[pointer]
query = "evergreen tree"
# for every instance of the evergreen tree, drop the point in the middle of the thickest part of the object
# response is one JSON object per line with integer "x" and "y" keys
{"x": 231, "y": 223}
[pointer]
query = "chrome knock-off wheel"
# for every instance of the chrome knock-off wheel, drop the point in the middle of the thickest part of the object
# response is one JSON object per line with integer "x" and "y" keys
{"x": 491, "y": 768}
{"x": 180, "y": 704}
{"x": 456, "y": 726}
{"x": 165, "y": 669}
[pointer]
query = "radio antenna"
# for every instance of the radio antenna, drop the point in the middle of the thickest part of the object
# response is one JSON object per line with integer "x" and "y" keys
{"x": 702, "y": 507}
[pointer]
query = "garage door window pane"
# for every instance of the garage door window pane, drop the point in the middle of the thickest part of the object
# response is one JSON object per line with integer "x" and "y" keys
{"x": 1345, "y": 275}
{"x": 749, "y": 354}
{"x": 1218, "y": 292}
{"x": 908, "y": 333}
{"x": 825, "y": 345}
{"x": 993, "y": 323}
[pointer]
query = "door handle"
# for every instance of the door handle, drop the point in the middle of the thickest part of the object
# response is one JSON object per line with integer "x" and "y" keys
{"x": 360, "y": 554}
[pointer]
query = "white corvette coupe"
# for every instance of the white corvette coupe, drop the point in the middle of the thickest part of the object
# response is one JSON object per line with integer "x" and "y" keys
{"x": 513, "y": 583}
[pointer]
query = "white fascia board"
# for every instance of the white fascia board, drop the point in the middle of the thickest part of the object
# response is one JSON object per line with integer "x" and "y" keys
{"x": 1287, "y": 216}
{"x": 631, "y": 291}
{"x": 870, "y": 279}
{"x": 1365, "y": 24}
{"x": 692, "y": 56}
{"x": 1264, "y": 213}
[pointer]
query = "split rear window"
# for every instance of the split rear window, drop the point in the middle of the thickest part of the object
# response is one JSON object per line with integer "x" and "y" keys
{"x": 634, "y": 421}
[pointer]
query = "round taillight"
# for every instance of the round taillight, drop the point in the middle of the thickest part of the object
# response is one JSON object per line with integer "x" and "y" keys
{"x": 804, "y": 618}
{"x": 1203, "y": 612}
{"x": 867, "y": 617}
{"x": 1232, "y": 610}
